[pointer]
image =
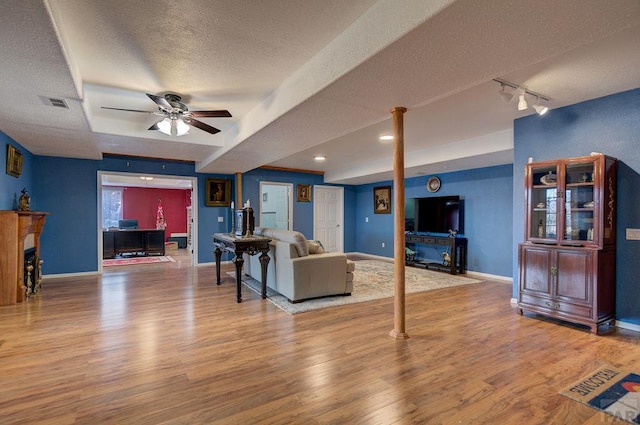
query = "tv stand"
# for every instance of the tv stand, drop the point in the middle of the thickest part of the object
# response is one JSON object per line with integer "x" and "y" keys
{"x": 457, "y": 249}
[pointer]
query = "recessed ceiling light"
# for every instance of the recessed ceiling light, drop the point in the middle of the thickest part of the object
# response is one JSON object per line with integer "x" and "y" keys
{"x": 319, "y": 158}
{"x": 386, "y": 137}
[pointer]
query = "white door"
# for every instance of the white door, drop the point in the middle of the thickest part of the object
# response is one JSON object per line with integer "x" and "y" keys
{"x": 328, "y": 207}
{"x": 276, "y": 209}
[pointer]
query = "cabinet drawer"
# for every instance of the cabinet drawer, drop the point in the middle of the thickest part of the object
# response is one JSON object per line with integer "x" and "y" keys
{"x": 413, "y": 239}
{"x": 555, "y": 306}
{"x": 430, "y": 240}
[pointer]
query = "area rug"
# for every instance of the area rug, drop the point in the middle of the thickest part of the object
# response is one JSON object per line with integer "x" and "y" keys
{"x": 372, "y": 280}
{"x": 137, "y": 260}
{"x": 609, "y": 390}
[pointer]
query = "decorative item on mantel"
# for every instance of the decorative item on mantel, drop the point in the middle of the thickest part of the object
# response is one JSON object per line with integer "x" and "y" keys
{"x": 23, "y": 202}
{"x": 245, "y": 223}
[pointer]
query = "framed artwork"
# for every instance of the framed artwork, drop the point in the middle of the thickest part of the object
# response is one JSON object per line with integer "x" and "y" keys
{"x": 304, "y": 193}
{"x": 217, "y": 193}
{"x": 14, "y": 161}
{"x": 382, "y": 200}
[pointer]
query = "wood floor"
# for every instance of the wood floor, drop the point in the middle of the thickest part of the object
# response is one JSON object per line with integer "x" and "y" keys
{"x": 162, "y": 344}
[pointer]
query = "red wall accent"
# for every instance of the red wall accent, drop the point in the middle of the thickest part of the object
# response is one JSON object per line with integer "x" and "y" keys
{"x": 142, "y": 204}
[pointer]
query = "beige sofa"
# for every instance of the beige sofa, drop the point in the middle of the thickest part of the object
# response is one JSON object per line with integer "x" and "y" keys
{"x": 300, "y": 269}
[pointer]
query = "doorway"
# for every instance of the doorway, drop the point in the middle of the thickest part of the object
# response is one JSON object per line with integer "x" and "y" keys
{"x": 276, "y": 208}
{"x": 134, "y": 180}
{"x": 328, "y": 217}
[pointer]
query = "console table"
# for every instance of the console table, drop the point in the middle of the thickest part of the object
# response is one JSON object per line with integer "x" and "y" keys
{"x": 457, "y": 248}
{"x": 238, "y": 246}
{"x": 132, "y": 241}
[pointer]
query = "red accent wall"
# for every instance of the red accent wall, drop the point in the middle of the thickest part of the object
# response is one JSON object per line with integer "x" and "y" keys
{"x": 142, "y": 204}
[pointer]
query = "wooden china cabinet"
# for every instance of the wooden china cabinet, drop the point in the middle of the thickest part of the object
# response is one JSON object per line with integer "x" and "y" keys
{"x": 567, "y": 261}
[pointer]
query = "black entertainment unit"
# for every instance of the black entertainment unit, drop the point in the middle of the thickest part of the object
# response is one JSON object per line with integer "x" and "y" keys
{"x": 456, "y": 248}
{"x": 427, "y": 222}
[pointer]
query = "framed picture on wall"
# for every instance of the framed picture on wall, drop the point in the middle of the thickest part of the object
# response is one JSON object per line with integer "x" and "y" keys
{"x": 304, "y": 193}
{"x": 382, "y": 200}
{"x": 217, "y": 193}
{"x": 14, "y": 161}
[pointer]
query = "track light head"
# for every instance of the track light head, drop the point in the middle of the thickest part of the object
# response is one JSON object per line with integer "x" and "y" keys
{"x": 522, "y": 103}
{"x": 505, "y": 95}
{"x": 540, "y": 109}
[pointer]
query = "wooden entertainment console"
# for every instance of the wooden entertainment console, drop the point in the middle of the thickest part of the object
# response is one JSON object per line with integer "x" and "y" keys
{"x": 456, "y": 247}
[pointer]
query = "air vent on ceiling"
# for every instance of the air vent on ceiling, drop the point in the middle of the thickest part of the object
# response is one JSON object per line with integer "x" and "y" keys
{"x": 52, "y": 101}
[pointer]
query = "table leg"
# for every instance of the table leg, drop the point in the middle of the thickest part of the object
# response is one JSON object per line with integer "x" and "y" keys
{"x": 239, "y": 261}
{"x": 454, "y": 259}
{"x": 218, "y": 253}
{"x": 264, "y": 263}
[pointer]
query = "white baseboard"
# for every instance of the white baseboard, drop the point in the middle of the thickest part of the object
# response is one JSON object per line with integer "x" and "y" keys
{"x": 213, "y": 263}
{"x": 487, "y": 276}
{"x": 56, "y": 276}
{"x": 628, "y": 326}
{"x": 373, "y": 257}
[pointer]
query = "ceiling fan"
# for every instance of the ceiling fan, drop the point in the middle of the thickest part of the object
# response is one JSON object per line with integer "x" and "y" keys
{"x": 178, "y": 119}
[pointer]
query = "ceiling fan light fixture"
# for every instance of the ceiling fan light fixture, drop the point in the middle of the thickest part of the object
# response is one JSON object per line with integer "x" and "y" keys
{"x": 173, "y": 127}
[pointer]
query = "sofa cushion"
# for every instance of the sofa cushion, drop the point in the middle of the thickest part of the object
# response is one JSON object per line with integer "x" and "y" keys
{"x": 290, "y": 236}
{"x": 315, "y": 247}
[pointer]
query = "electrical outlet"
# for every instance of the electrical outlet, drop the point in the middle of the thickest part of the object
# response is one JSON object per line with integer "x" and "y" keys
{"x": 383, "y": 244}
{"x": 220, "y": 219}
{"x": 633, "y": 234}
{"x": 366, "y": 219}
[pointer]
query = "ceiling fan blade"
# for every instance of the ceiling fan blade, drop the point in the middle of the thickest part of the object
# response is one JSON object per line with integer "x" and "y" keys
{"x": 161, "y": 101}
{"x": 211, "y": 114}
{"x": 127, "y": 110}
{"x": 154, "y": 127}
{"x": 203, "y": 126}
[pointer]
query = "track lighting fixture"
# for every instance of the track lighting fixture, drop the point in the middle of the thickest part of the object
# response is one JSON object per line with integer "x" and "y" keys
{"x": 522, "y": 93}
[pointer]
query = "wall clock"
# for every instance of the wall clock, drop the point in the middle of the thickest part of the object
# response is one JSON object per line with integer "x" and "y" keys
{"x": 433, "y": 184}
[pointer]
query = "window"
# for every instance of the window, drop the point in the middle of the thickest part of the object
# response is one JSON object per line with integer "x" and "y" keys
{"x": 111, "y": 206}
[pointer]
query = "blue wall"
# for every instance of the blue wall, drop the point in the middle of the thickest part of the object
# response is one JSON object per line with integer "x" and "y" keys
{"x": 610, "y": 125}
{"x": 302, "y": 211}
{"x": 488, "y": 216}
{"x": 68, "y": 189}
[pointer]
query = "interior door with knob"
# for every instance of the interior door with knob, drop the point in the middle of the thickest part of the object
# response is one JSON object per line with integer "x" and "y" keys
{"x": 328, "y": 217}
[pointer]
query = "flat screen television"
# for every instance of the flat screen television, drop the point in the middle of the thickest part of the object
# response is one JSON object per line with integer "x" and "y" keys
{"x": 437, "y": 214}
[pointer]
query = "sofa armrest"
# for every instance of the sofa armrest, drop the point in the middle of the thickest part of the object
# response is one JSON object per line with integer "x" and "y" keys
{"x": 314, "y": 275}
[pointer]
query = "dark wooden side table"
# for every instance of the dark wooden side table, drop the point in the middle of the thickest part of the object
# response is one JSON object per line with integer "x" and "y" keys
{"x": 237, "y": 246}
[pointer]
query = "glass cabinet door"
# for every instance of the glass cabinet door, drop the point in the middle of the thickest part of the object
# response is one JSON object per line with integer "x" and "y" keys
{"x": 579, "y": 202}
{"x": 544, "y": 202}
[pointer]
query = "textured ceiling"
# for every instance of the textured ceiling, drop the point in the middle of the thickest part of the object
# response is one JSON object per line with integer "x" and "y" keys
{"x": 303, "y": 77}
